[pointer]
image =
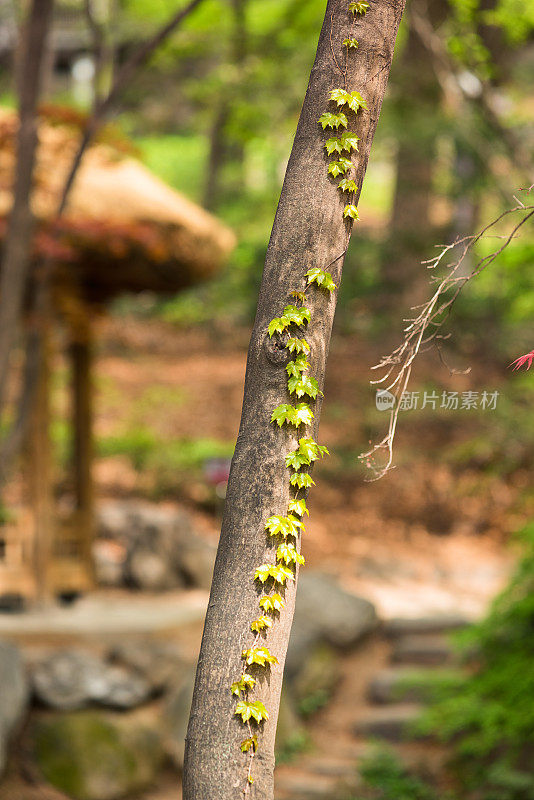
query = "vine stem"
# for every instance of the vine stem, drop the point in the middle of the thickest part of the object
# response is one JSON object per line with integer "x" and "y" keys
{"x": 252, "y": 752}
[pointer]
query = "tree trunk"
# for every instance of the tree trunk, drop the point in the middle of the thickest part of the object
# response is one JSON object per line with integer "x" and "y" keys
{"x": 17, "y": 247}
{"x": 411, "y": 231}
{"x": 309, "y": 230}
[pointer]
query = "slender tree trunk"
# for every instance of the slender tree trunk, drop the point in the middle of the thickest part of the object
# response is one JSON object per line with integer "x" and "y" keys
{"x": 411, "y": 230}
{"x": 309, "y": 230}
{"x": 17, "y": 247}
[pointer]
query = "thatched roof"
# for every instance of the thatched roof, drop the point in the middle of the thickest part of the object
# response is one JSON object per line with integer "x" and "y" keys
{"x": 124, "y": 229}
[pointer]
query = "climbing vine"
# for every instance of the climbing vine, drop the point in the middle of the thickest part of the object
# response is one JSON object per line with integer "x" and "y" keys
{"x": 284, "y": 531}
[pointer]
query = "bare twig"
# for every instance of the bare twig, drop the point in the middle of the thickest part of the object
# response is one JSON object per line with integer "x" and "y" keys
{"x": 424, "y": 327}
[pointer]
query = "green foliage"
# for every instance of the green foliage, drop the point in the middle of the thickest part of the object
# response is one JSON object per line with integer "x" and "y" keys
{"x": 487, "y": 716}
{"x": 251, "y": 711}
{"x": 284, "y": 526}
{"x": 301, "y": 480}
{"x": 260, "y": 624}
{"x": 297, "y": 366}
{"x": 388, "y": 779}
{"x": 275, "y": 572}
{"x": 350, "y": 43}
{"x": 288, "y": 554}
{"x": 329, "y": 120}
{"x": 297, "y": 345}
{"x": 298, "y": 507}
{"x": 278, "y": 325}
{"x": 347, "y": 185}
{"x": 359, "y": 7}
{"x": 259, "y": 656}
{"x": 272, "y": 603}
{"x": 321, "y": 278}
{"x": 351, "y": 211}
{"x": 301, "y": 414}
{"x": 307, "y": 452}
{"x": 297, "y": 315}
{"x": 347, "y": 142}
{"x": 303, "y": 385}
{"x": 244, "y": 683}
{"x": 250, "y": 743}
{"x": 353, "y": 100}
{"x": 339, "y": 167}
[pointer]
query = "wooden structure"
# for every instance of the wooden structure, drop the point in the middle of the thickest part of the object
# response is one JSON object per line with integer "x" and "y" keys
{"x": 124, "y": 231}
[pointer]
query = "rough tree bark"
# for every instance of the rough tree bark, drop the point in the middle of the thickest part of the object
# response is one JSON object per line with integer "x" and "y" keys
{"x": 308, "y": 231}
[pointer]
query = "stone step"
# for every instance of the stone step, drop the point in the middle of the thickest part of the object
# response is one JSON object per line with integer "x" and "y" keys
{"x": 392, "y": 723}
{"x": 403, "y": 684}
{"x": 401, "y": 626}
{"x": 422, "y": 649}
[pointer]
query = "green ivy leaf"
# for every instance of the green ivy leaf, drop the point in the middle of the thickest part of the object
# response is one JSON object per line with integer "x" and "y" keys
{"x": 320, "y": 277}
{"x": 296, "y": 460}
{"x": 348, "y": 141}
{"x": 303, "y": 385}
{"x": 271, "y": 603}
{"x": 299, "y": 295}
{"x": 350, "y": 43}
{"x": 297, "y": 366}
{"x": 359, "y": 7}
{"x": 295, "y": 345}
{"x": 255, "y": 711}
{"x": 351, "y": 211}
{"x": 329, "y": 120}
{"x": 301, "y": 480}
{"x": 249, "y": 743}
{"x": 260, "y": 624}
{"x": 258, "y": 655}
{"x": 307, "y": 452}
{"x": 244, "y": 683}
{"x": 288, "y": 554}
{"x": 283, "y": 413}
{"x": 298, "y": 507}
{"x": 278, "y": 325}
{"x": 347, "y": 185}
{"x": 278, "y": 525}
{"x": 353, "y": 100}
{"x": 333, "y": 145}
{"x": 277, "y": 572}
{"x": 297, "y": 315}
{"x": 339, "y": 167}
{"x": 301, "y": 414}
{"x": 334, "y": 169}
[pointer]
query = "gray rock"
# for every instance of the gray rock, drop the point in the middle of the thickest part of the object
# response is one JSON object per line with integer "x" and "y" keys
{"x": 150, "y": 571}
{"x": 93, "y": 755}
{"x": 71, "y": 679}
{"x": 162, "y": 548}
{"x": 424, "y": 625}
{"x": 397, "y": 684}
{"x": 325, "y": 612}
{"x": 161, "y": 664}
{"x": 424, "y": 650}
{"x": 176, "y": 717}
{"x": 393, "y": 723}
{"x": 14, "y": 694}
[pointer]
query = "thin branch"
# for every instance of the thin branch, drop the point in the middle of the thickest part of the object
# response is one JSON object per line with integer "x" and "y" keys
{"x": 425, "y": 326}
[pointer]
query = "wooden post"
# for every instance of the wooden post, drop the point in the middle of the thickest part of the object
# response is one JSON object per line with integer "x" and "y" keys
{"x": 41, "y": 475}
{"x": 81, "y": 351}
